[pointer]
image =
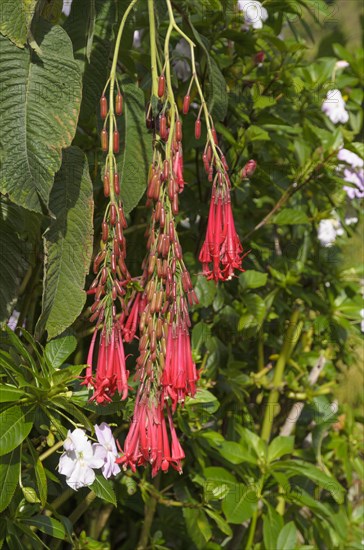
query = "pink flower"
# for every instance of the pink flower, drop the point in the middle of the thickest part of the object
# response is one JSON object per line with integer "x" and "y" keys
{"x": 106, "y": 450}
{"x": 111, "y": 374}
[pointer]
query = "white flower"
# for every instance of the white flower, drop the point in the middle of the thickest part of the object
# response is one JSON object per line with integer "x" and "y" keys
{"x": 341, "y": 64}
{"x": 78, "y": 460}
{"x": 181, "y": 66}
{"x": 67, "y": 7}
{"x": 254, "y": 13}
{"x": 328, "y": 230}
{"x": 137, "y": 39}
{"x": 352, "y": 172}
{"x": 350, "y": 158}
{"x": 13, "y": 321}
{"x": 106, "y": 450}
{"x": 351, "y": 220}
{"x": 334, "y": 107}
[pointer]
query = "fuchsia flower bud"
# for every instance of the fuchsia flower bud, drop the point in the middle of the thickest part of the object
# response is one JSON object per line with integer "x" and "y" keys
{"x": 259, "y": 57}
{"x": 248, "y": 169}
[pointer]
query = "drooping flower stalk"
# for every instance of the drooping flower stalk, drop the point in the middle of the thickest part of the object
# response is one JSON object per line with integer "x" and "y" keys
{"x": 111, "y": 274}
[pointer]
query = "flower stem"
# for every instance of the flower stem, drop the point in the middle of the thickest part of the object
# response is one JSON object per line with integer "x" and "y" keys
{"x": 110, "y": 156}
{"x": 288, "y": 345}
{"x": 149, "y": 512}
{"x": 50, "y": 451}
{"x": 153, "y": 49}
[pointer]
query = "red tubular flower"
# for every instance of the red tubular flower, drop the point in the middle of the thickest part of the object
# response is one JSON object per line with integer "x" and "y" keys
{"x": 179, "y": 376}
{"x": 111, "y": 374}
{"x": 222, "y": 251}
{"x": 147, "y": 440}
{"x": 130, "y": 326}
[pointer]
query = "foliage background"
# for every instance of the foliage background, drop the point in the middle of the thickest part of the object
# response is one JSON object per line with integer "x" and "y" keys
{"x": 296, "y": 308}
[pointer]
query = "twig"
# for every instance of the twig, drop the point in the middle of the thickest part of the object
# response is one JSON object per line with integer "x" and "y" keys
{"x": 296, "y": 409}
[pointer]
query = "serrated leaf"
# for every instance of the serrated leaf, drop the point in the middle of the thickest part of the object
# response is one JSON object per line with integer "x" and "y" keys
{"x": 9, "y": 477}
{"x": 15, "y": 23}
{"x": 136, "y": 154}
{"x": 47, "y": 525}
{"x": 67, "y": 244}
{"x": 103, "y": 489}
{"x": 16, "y": 424}
{"x": 59, "y": 349}
{"x": 95, "y": 71}
{"x": 15, "y": 260}
{"x": 38, "y": 110}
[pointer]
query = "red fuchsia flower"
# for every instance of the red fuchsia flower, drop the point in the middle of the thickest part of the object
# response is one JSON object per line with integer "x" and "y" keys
{"x": 222, "y": 251}
{"x": 111, "y": 374}
{"x": 130, "y": 325}
{"x": 179, "y": 376}
{"x": 178, "y": 168}
{"x": 147, "y": 440}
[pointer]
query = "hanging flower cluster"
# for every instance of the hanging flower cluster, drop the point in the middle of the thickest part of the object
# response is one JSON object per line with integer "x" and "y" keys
{"x": 156, "y": 310}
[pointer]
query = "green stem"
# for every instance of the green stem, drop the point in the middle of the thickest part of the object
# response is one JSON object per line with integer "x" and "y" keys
{"x": 153, "y": 48}
{"x": 289, "y": 342}
{"x": 110, "y": 155}
{"x": 50, "y": 451}
{"x": 253, "y": 523}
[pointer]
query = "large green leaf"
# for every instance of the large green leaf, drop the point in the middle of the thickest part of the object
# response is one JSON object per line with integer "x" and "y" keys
{"x": 19, "y": 230}
{"x": 15, "y": 19}
{"x": 95, "y": 70}
{"x": 287, "y": 537}
{"x": 136, "y": 154}
{"x": 67, "y": 244}
{"x": 16, "y": 424}
{"x": 38, "y": 110}
{"x": 9, "y": 476}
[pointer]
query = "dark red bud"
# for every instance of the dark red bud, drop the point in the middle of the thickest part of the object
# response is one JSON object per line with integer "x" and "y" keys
{"x": 106, "y": 184}
{"x": 163, "y": 127}
{"x": 248, "y": 169}
{"x": 161, "y": 85}
{"x": 103, "y": 107}
{"x": 198, "y": 129}
{"x": 116, "y": 141}
{"x": 186, "y": 104}
{"x": 104, "y": 140}
{"x": 116, "y": 183}
{"x": 178, "y": 130}
{"x": 119, "y": 104}
{"x": 105, "y": 232}
{"x": 259, "y": 57}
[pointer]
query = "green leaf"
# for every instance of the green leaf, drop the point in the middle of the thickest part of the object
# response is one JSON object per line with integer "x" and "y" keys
{"x": 14, "y": 251}
{"x": 16, "y": 424}
{"x": 255, "y": 306}
{"x": 15, "y": 23}
{"x": 256, "y": 133}
{"x": 9, "y": 477}
{"x": 232, "y": 451}
{"x": 10, "y": 393}
{"x": 47, "y": 525}
{"x": 290, "y": 216}
{"x": 252, "y": 279}
{"x": 272, "y": 525}
{"x": 59, "y": 349}
{"x": 218, "y": 482}
{"x": 104, "y": 489}
{"x": 280, "y": 446}
{"x": 198, "y": 527}
{"x": 40, "y": 475}
{"x": 67, "y": 244}
{"x": 287, "y": 537}
{"x": 136, "y": 155}
{"x": 305, "y": 469}
{"x": 220, "y": 522}
{"x": 95, "y": 72}
{"x": 205, "y": 290}
{"x": 38, "y": 111}
{"x": 240, "y": 503}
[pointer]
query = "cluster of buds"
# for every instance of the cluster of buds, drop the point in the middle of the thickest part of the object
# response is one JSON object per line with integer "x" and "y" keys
{"x": 111, "y": 278}
{"x": 165, "y": 368}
